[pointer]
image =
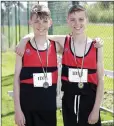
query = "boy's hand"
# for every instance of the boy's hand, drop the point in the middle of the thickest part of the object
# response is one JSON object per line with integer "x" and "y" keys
{"x": 19, "y": 118}
{"x": 93, "y": 117}
{"x": 20, "y": 48}
{"x": 99, "y": 42}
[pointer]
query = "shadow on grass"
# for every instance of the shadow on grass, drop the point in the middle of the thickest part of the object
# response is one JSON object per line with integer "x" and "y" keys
{"x": 7, "y": 114}
{"x": 7, "y": 80}
{"x": 7, "y": 84}
{"x": 7, "y": 77}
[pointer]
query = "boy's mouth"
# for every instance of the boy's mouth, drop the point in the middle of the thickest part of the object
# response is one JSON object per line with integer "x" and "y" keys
{"x": 77, "y": 28}
{"x": 41, "y": 30}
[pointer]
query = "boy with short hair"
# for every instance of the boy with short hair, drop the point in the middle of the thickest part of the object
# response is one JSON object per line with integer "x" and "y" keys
{"x": 82, "y": 74}
{"x": 36, "y": 75}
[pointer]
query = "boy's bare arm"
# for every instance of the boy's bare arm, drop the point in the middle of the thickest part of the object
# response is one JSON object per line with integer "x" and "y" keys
{"x": 20, "y": 48}
{"x": 19, "y": 116}
{"x": 16, "y": 88}
{"x": 100, "y": 71}
{"x": 94, "y": 115}
{"x": 60, "y": 39}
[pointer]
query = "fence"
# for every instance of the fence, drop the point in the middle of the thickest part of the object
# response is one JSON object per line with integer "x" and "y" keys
{"x": 14, "y": 25}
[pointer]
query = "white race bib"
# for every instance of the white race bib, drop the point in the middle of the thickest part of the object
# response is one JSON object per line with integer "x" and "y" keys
{"x": 74, "y": 77}
{"x": 39, "y": 79}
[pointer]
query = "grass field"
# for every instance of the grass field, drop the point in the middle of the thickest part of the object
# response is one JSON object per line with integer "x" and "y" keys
{"x": 8, "y": 63}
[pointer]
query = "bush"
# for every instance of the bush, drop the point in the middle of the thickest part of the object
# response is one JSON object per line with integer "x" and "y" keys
{"x": 98, "y": 15}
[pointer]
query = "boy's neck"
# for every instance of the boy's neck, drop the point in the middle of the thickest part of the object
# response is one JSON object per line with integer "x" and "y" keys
{"x": 79, "y": 38}
{"x": 41, "y": 40}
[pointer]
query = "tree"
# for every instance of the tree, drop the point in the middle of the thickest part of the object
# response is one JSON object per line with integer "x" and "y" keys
{"x": 105, "y": 4}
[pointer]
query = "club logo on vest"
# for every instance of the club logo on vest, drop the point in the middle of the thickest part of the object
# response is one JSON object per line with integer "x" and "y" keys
{"x": 66, "y": 49}
{"x": 28, "y": 51}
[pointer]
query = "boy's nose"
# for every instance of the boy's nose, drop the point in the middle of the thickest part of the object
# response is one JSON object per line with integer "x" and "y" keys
{"x": 76, "y": 22}
{"x": 40, "y": 23}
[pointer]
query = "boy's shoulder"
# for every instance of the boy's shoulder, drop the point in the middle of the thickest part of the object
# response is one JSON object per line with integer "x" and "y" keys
{"x": 89, "y": 40}
{"x": 25, "y": 39}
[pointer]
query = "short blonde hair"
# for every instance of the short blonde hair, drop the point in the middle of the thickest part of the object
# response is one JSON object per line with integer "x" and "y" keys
{"x": 41, "y": 11}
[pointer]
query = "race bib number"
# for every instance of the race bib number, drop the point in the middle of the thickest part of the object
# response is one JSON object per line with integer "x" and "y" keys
{"x": 39, "y": 79}
{"x": 74, "y": 76}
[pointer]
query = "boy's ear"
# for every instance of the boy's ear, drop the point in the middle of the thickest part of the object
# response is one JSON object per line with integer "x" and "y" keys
{"x": 87, "y": 20}
{"x": 67, "y": 20}
{"x": 50, "y": 23}
{"x": 30, "y": 22}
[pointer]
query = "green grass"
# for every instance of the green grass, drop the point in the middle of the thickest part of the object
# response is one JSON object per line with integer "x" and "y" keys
{"x": 7, "y": 102}
{"x": 8, "y": 63}
{"x": 108, "y": 83}
{"x": 106, "y": 116}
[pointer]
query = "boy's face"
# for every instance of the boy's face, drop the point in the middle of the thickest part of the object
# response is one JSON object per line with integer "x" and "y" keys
{"x": 40, "y": 26}
{"x": 77, "y": 22}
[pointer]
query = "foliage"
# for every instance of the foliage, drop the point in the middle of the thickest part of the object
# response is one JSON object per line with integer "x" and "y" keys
{"x": 101, "y": 12}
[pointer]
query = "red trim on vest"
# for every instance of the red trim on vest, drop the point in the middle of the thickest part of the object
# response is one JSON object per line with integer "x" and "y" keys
{"x": 54, "y": 79}
{"x": 30, "y": 59}
{"x": 64, "y": 78}
{"x": 89, "y": 60}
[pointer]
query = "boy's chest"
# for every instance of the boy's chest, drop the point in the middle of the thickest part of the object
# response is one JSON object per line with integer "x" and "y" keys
{"x": 79, "y": 49}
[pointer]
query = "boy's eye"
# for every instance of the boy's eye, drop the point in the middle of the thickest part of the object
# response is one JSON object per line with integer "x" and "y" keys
{"x": 45, "y": 21}
{"x": 81, "y": 19}
{"x": 72, "y": 19}
{"x": 36, "y": 21}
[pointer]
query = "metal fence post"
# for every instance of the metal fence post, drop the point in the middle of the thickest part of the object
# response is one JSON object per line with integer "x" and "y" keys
{"x": 8, "y": 28}
{"x": 15, "y": 23}
{"x": 19, "y": 18}
{"x": 75, "y": 2}
{"x": 28, "y": 15}
{"x": 2, "y": 20}
{"x": 50, "y": 32}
